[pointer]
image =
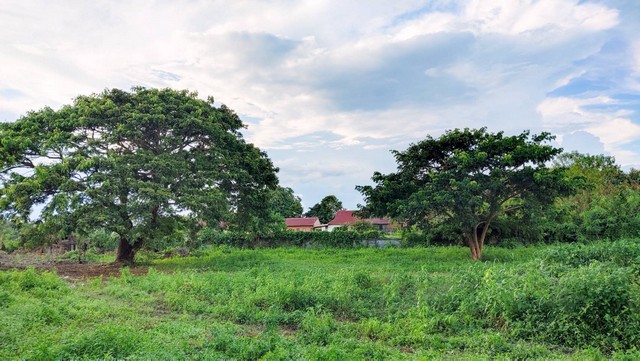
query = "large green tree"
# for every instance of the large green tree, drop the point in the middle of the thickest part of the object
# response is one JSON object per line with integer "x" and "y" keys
{"x": 464, "y": 179}
{"x": 135, "y": 163}
{"x": 285, "y": 203}
{"x": 326, "y": 209}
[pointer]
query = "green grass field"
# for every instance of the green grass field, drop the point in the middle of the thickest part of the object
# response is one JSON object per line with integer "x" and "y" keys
{"x": 550, "y": 302}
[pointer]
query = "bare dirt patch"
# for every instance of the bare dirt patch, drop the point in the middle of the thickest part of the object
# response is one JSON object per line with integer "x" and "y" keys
{"x": 66, "y": 268}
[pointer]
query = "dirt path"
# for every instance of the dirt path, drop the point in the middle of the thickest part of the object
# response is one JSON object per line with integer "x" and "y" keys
{"x": 67, "y": 269}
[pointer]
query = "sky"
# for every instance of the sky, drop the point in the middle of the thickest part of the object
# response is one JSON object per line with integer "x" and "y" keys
{"x": 328, "y": 87}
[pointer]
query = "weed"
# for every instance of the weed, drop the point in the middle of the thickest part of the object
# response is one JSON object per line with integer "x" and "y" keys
{"x": 544, "y": 302}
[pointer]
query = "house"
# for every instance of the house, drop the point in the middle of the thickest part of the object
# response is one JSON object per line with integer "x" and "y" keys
{"x": 341, "y": 218}
{"x": 382, "y": 224}
{"x": 305, "y": 224}
{"x": 345, "y": 218}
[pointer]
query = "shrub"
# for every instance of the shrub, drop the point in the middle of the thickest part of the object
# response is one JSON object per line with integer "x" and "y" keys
{"x": 108, "y": 341}
{"x": 414, "y": 238}
{"x": 623, "y": 253}
{"x": 31, "y": 280}
{"x": 318, "y": 327}
{"x": 568, "y": 297}
{"x": 362, "y": 225}
{"x": 597, "y": 305}
{"x": 9, "y": 236}
{"x": 343, "y": 239}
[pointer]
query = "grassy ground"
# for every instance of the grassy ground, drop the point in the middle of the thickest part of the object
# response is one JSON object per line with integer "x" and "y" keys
{"x": 569, "y": 302}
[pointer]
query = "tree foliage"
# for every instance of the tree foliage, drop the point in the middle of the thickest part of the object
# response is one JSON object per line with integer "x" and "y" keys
{"x": 362, "y": 225}
{"x": 606, "y": 204}
{"x": 8, "y": 235}
{"x": 459, "y": 183}
{"x": 285, "y": 203}
{"x": 141, "y": 164}
{"x": 326, "y": 209}
{"x": 345, "y": 238}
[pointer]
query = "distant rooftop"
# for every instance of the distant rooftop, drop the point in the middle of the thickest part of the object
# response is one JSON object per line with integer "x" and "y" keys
{"x": 347, "y": 217}
{"x": 301, "y": 222}
{"x": 343, "y": 217}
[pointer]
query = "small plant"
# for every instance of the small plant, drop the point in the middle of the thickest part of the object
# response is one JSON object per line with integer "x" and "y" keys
{"x": 559, "y": 302}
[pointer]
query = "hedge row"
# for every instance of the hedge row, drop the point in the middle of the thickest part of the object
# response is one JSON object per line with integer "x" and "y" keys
{"x": 339, "y": 239}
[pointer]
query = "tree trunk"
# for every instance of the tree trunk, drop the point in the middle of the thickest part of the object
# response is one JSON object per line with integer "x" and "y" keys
{"x": 476, "y": 244}
{"x": 476, "y": 252}
{"x": 476, "y": 249}
{"x": 127, "y": 251}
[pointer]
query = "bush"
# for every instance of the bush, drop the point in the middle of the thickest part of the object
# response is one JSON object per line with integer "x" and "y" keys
{"x": 31, "y": 280}
{"x": 362, "y": 225}
{"x": 589, "y": 217}
{"x": 573, "y": 295}
{"x": 343, "y": 239}
{"x": 622, "y": 253}
{"x": 101, "y": 240}
{"x": 441, "y": 235}
{"x": 414, "y": 238}
{"x": 597, "y": 305}
{"x": 9, "y": 236}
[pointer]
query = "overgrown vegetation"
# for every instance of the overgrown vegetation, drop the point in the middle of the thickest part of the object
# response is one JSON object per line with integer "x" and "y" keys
{"x": 553, "y": 302}
{"x": 339, "y": 238}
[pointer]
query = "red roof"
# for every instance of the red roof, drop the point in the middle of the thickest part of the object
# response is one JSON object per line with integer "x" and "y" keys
{"x": 378, "y": 221}
{"x": 301, "y": 222}
{"x": 347, "y": 217}
{"x": 343, "y": 217}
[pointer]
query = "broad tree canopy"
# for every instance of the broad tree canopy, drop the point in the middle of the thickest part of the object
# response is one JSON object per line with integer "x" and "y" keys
{"x": 135, "y": 163}
{"x": 464, "y": 179}
{"x": 326, "y": 209}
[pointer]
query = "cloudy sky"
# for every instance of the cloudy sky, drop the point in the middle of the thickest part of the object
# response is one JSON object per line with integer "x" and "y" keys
{"x": 328, "y": 87}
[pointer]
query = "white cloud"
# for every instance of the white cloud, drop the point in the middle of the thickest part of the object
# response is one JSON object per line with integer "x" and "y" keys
{"x": 562, "y": 112}
{"x": 428, "y": 24}
{"x": 330, "y": 75}
{"x": 293, "y": 171}
{"x": 627, "y": 158}
{"x": 614, "y": 132}
{"x": 613, "y": 129}
{"x": 524, "y": 16}
{"x": 514, "y": 17}
{"x": 567, "y": 79}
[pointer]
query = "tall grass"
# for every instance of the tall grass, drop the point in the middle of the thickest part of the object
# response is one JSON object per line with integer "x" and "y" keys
{"x": 551, "y": 302}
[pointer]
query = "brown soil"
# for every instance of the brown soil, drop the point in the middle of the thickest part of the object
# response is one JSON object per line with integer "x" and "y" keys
{"x": 68, "y": 269}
